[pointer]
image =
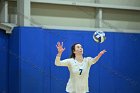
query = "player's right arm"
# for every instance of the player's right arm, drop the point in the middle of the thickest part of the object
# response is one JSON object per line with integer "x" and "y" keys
{"x": 60, "y": 50}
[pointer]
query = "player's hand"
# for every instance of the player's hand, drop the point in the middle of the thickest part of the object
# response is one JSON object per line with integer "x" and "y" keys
{"x": 102, "y": 52}
{"x": 59, "y": 47}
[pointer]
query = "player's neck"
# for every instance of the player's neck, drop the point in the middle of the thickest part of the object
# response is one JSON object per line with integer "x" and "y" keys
{"x": 79, "y": 58}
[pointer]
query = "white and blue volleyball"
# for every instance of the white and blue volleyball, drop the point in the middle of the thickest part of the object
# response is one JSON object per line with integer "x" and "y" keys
{"x": 99, "y": 36}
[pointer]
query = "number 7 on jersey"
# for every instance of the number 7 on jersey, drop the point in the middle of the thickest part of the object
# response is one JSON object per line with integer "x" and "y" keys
{"x": 80, "y": 71}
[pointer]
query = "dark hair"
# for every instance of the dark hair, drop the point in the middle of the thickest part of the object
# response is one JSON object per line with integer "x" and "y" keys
{"x": 72, "y": 50}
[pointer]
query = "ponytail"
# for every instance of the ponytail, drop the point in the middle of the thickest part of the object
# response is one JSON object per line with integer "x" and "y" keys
{"x": 72, "y": 50}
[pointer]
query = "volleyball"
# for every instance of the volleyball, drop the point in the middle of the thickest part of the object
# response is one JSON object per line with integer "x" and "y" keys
{"x": 99, "y": 36}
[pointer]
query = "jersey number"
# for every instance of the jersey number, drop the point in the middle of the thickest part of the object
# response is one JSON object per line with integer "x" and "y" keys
{"x": 80, "y": 71}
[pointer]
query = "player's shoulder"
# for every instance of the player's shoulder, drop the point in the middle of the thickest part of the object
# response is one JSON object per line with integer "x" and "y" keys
{"x": 87, "y": 57}
{"x": 70, "y": 59}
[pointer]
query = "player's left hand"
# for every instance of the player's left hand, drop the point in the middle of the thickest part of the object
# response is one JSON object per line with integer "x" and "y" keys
{"x": 103, "y": 51}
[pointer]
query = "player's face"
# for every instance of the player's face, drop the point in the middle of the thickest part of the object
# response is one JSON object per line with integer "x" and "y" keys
{"x": 78, "y": 49}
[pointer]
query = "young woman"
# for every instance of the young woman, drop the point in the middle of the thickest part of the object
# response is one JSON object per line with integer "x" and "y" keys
{"x": 78, "y": 66}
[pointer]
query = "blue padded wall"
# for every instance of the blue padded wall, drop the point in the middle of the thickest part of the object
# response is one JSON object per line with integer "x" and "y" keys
{"x": 14, "y": 61}
{"x": 35, "y": 66}
{"x": 3, "y": 62}
{"x": 116, "y": 71}
{"x": 32, "y": 53}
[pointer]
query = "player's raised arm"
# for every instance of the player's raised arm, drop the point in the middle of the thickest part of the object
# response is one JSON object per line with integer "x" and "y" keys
{"x": 99, "y": 55}
{"x": 94, "y": 60}
{"x": 60, "y": 50}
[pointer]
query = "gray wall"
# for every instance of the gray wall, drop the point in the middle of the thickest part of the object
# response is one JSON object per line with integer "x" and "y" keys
{"x": 113, "y": 2}
{"x": 75, "y": 16}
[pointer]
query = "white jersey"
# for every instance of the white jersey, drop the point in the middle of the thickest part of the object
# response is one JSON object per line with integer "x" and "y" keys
{"x": 79, "y": 73}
